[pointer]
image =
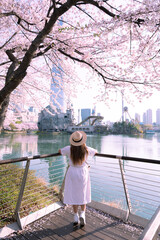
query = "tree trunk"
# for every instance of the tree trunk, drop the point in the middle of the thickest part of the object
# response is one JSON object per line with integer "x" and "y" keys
{"x": 3, "y": 112}
{"x": 5, "y": 103}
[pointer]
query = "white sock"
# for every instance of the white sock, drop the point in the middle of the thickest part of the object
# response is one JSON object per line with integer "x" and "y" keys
{"x": 82, "y": 214}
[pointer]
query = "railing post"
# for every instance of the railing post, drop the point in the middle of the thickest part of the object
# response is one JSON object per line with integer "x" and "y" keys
{"x": 125, "y": 188}
{"x": 16, "y": 213}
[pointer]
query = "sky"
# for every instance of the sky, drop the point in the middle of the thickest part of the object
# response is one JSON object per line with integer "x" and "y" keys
{"x": 113, "y": 111}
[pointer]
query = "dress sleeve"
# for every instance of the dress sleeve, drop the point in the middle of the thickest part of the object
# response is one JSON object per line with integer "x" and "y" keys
{"x": 65, "y": 151}
{"x": 91, "y": 151}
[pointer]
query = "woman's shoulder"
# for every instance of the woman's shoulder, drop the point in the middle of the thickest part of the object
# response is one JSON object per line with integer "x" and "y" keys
{"x": 65, "y": 150}
{"x": 90, "y": 148}
{"x": 91, "y": 151}
{"x": 66, "y": 147}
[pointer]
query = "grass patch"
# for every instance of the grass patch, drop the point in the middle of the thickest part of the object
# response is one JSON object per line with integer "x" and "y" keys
{"x": 37, "y": 194}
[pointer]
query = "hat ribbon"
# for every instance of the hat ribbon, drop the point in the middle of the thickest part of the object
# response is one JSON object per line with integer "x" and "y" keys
{"x": 77, "y": 141}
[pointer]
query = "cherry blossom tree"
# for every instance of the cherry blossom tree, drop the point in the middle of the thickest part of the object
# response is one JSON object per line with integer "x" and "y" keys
{"x": 117, "y": 40}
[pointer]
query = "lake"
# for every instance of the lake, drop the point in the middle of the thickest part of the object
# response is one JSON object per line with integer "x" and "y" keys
{"x": 104, "y": 172}
{"x": 19, "y": 145}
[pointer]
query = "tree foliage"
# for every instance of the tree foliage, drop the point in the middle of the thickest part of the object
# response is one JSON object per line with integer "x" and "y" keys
{"x": 125, "y": 128}
{"x": 117, "y": 40}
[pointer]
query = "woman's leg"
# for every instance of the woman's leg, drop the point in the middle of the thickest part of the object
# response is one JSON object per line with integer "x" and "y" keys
{"x": 82, "y": 215}
{"x": 83, "y": 207}
{"x": 76, "y": 216}
{"x": 75, "y": 208}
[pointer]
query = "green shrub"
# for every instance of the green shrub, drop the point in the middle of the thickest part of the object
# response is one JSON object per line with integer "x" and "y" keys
{"x": 18, "y": 122}
{"x": 12, "y": 126}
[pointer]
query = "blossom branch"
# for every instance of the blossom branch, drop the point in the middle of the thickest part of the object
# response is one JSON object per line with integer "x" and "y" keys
{"x": 105, "y": 78}
{"x": 12, "y": 13}
{"x": 85, "y": 13}
{"x": 8, "y": 40}
{"x": 95, "y": 3}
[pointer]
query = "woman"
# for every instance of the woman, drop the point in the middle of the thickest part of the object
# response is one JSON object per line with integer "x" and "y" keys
{"x": 77, "y": 188}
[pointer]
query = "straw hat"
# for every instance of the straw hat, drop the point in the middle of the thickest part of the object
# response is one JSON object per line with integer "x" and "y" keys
{"x": 78, "y": 138}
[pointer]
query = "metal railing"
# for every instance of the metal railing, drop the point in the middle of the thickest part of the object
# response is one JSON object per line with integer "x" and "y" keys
{"x": 132, "y": 184}
{"x": 29, "y": 184}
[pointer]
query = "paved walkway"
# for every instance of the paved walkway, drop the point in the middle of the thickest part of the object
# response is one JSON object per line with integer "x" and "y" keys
{"x": 58, "y": 225}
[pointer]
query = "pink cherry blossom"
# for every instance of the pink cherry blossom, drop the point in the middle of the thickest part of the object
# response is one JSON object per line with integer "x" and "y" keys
{"x": 115, "y": 42}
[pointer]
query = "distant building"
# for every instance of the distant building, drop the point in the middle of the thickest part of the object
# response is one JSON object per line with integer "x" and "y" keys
{"x": 49, "y": 121}
{"x": 57, "y": 99}
{"x": 86, "y": 112}
{"x": 32, "y": 109}
{"x": 94, "y": 111}
{"x": 144, "y": 118}
{"x": 158, "y": 117}
{"x": 137, "y": 118}
{"x": 57, "y": 94}
{"x": 55, "y": 117}
{"x": 149, "y": 117}
{"x": 79, "y": 115}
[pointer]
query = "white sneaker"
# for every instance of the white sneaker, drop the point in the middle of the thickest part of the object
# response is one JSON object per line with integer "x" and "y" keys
{"x": 82, "y": 218}
{"x": 76, "y": 219}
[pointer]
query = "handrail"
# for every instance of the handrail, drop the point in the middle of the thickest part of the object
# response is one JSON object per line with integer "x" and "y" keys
{"x": 14, "y": 160}
{"x": 145, "y": 160}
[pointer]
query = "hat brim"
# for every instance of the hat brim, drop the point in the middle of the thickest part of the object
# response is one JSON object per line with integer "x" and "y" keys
{"x": 84, "y": 138}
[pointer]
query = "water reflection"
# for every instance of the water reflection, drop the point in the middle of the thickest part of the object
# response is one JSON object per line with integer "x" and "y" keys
{"x": 50, "y": 143}
{"x": 17, "y": 145}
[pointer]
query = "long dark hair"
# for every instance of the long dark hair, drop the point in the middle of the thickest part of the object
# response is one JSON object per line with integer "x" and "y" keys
{"x": 78, "y": 154}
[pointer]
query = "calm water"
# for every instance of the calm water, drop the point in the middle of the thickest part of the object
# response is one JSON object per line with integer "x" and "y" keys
{"x": 20, "y": 145}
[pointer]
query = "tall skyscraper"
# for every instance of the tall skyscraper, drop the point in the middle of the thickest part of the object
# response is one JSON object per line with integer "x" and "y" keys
{"x": 79, "y": 115}
{"x": 94, "y": 111}
{"x": 85, "y": 112}
{"x": 137, "y": 118}
{"x": 149, "y": 116}
{"x": 57, "y": 94}
{"x": 144, "y": 118}
{"x": 158, "y": 116}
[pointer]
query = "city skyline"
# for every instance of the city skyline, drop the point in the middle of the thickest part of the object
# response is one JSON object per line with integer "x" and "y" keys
{"x": 113, "y": 110}
{"x": 146, "y": 117}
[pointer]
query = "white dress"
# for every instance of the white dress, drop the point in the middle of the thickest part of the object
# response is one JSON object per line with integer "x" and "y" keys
{"x": 77, "y": 188}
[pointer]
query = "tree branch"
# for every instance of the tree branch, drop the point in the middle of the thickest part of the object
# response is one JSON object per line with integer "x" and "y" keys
{"x": 12, "y": 67}
{"x": 11, "y": 56}
{"x": 12, "y": 13}
{"x": 44, "y": 51}
{"x": 85, "y": 13}
{"x": 115, "y": 79}
{"x": 8, "y": 40}
{"x": 94, "y": 3}
{"x": 3, "y": 63}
